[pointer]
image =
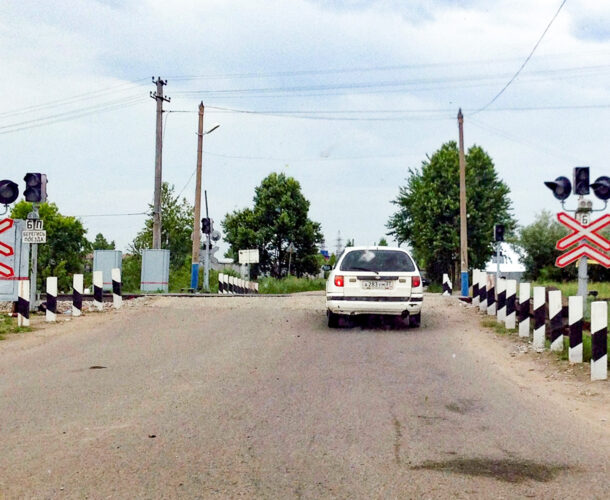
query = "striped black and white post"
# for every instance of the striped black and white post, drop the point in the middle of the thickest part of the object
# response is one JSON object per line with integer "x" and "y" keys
{"x": 447, "y": 286}
{"x": 77, "y": 295}
{"x": 255, "y": 287}
{"x": 51, "y": 314}
{"x": 220, "y": 283}
{"x": 98, "y": 288}
{"x": 510, "y": 321}
{"x": 575, "y": 318}
{"x": 475, "y": 287}
{"x": 539, "y": 318}
{"x": 23, "y": 303}
{"x": 117, "y": 297}
{"x": 524, "y": 309}
{"x": 555, "y": 320}
{"x": 232, "y": 285}
{"x": 599, "y": 340}
{"x": 501, "y": 316}
{"x": 491, "y": 295}
{"x": 482, "y": 291}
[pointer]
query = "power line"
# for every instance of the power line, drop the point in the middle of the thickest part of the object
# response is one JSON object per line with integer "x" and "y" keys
{"x": 111, "y": 215}
{"x": 524, "y": 62}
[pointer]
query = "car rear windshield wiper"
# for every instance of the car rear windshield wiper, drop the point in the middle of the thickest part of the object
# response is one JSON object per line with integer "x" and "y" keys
{"x": 354, "y": 268}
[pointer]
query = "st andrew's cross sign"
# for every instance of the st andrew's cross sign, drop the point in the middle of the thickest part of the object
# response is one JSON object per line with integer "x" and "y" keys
{"x": 589, "y": 233}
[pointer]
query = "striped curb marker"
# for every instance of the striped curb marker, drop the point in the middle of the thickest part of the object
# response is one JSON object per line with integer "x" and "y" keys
{"x": 447, "y": 286}
{"x": 98, "y": 286}
{"x": 221, "y": 283}
{"x": 599, "y": 340}
{"x": 524, "y": 309}
{"x": 475, "y": 287}
{"x": 575, "y": 319}
{"x": 117, "y": 297}
{"x": 555, "y": 320}
{"x": 491, "y": 295}
{"x": 23, "y": 303}
{"x": 539, "y": 318}
{"x": 501, "y": 315}
{"x": 77, "y": 295}
{"x": 482, "y": 291}
{"x": 511, "y": 295}
{"x": 51, "y": 314}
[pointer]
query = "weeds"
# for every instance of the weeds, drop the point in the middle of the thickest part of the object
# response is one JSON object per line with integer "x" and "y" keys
{"x": 290, "y": 284}
{"x": 8, "y": 325}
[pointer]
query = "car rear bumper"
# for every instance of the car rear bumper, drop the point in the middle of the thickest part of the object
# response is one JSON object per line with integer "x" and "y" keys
{"x": 399, "y": 306}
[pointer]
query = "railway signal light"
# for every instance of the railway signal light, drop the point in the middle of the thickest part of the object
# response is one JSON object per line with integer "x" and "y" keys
{"x": 206, "y": 225}
{"x": 581, "y": 180}
{"x": 35, "y": 187}
{"x": 601, "y": 187}
{"x": 499, "y": 232}
{"x": 561, "y": 187}
{"x": 8, "y": 192}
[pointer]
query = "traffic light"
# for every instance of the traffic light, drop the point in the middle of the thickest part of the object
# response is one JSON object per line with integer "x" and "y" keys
{"x": 35, "y": 187}
{"x": 581, "y": 180}
{"x": 499, "y": 232}
{"x": 601, "y": 187}
{"x": 561, "y": 187}
{"x": 206, "y": 225}
{"x": 8, "y": 192}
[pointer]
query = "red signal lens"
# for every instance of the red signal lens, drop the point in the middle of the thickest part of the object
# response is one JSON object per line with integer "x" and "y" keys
{"x": 415, "y": 281}
{"x": 339, "y": 281}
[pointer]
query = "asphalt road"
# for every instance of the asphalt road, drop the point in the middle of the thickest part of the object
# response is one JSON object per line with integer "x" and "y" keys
{"x": 257, "y": 398}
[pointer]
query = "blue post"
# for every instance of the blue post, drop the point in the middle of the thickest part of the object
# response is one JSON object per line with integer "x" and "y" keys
{"x": 464, "y": 283}
{"x": 195, "y": 275}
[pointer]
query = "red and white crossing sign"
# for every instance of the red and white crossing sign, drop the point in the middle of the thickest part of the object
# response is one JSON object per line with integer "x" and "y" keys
{"x": 6, "y": 271}
{"x": 589, "y": 232}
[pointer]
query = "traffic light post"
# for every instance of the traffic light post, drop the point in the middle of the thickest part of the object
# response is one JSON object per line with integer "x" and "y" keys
{"x": 36, "y": 193}
{"x": 498, "y": 238}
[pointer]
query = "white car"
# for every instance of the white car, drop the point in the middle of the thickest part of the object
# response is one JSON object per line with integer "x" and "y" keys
{"x": 374, "y": 280}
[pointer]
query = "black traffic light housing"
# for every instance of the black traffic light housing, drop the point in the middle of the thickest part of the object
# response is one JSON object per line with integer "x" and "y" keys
{"x": 206, "y": 225}
{"x": 35, "y": 187}
{"x": 581, "y": 180}
{"x": 601, "y": 187}
{"x": 561, "y": 187}
{"x": 8, "y": 192}
{"x": 499, "y": 232}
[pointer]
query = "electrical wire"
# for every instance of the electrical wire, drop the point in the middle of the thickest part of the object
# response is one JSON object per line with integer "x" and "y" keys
{"x": 524, "y": 62}
{"x": 111, "y": 215}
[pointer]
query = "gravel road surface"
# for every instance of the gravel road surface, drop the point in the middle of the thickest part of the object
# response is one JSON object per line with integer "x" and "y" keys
{"x": 256, "y": 398}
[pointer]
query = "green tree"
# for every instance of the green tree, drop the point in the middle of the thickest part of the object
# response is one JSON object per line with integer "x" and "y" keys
{"x": 101, "y": 243}
{"x": 279, "y": 217}
{"x": 176, "y": 228}
{"x": 382, "y": 243}
{"x": 64, "y": 253}
{"x": 428, "y": 216}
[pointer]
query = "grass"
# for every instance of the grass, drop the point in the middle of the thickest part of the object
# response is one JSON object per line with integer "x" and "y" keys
{"x": 290, "y": 284}
{"x": 8, "y": 325}
{"x": 499, "y": 328}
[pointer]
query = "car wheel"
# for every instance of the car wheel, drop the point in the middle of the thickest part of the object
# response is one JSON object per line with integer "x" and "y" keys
{"x": 333, "y": 320}
{"x": 414, "y": 320}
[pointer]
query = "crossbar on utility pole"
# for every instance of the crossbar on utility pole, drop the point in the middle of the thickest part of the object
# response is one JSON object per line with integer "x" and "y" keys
{"x": 197, "y": 210}
{"x": 158, "y": 96}
{"x": 463, "y": 225}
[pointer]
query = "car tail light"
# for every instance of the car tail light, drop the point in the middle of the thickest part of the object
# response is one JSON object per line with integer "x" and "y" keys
{"x": 415, "y": 281}
{"x": 339, "y": 281}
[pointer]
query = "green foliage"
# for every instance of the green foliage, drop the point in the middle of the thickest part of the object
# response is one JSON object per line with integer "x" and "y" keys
{"x": 9, "y": 325}
{"x": 176, "y": 228}
{"x": 290, "y": 284}
{"x": 428, "y": 216}
{"x": 64, "y": 253}
{"x": 382, "y": 243}
{"x": 279, "y": 217}
{"x": 131, "y": 273}
{"x": 101, "y": 243}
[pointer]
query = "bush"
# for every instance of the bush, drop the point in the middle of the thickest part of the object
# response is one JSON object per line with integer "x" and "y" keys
{"x": 290, "y": 284}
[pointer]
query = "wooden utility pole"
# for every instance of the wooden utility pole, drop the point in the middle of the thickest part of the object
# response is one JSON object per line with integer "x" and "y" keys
{"x": 463, "y": 224}
{"x": 158, "y": 96}
{"x": 197, "y": 211}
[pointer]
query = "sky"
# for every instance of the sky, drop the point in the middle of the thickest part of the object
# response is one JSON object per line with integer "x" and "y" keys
{"x": 344, "y": 96}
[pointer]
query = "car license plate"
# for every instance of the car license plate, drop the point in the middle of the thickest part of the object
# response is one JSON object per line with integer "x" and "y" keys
{"x": 377, "y": 285}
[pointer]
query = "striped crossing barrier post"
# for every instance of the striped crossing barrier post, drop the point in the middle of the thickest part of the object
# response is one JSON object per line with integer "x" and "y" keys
{"x": 475, "y": 287}
{"x": 98, "y": 286}
{"x": 255, "y": 287}
{"x": 599, "y": 340}
{"x": 501, "y": 316}
{"x": 23, "y": 303}
{"x": 231, "y": 285}
{"x": 220, "y": 283}
{"x": 77, "y": 295}
{"x": 555, "y": 320}
{"x": 447, "y": 286}
{"x": 524, "y": 309}
{"x": 482, "y": 291}
{"x": 491, "y": 295}
{"x": 51, "y": 314}
{"x": 575, "y": 317}
{"x": 539, "y": 318}
{"x": 117, "y": 297}
{"x": 511, "y": 296}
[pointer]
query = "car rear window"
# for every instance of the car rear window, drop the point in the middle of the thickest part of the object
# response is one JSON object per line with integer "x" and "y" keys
{"x": 377, "y": 261}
